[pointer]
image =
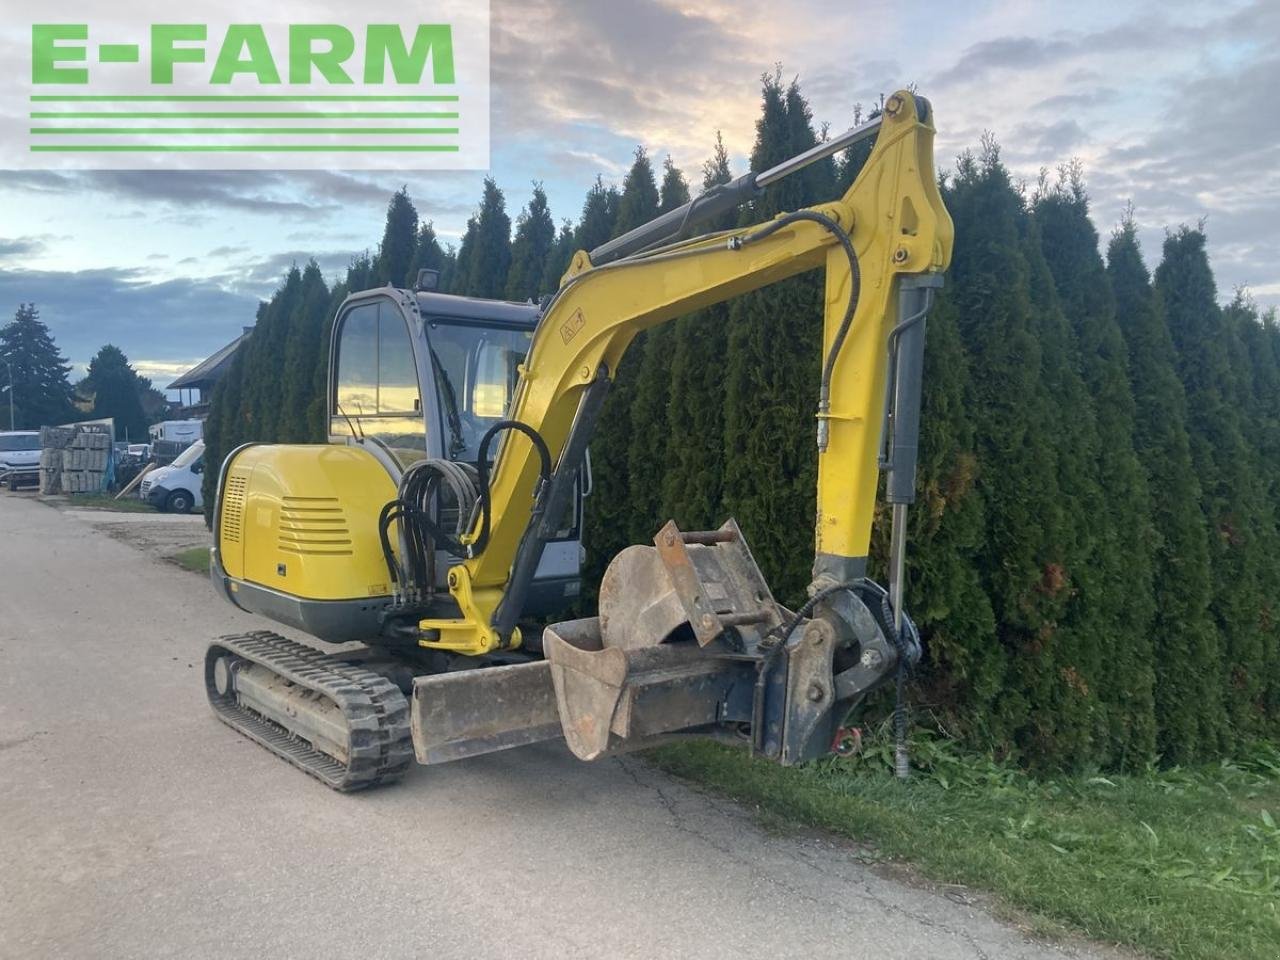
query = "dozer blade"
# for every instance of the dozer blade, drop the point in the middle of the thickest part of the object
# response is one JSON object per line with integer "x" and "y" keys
{"x": 470, "y": 712}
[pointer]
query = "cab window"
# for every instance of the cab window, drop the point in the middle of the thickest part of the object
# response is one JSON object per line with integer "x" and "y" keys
{"x": 376, "y": 393}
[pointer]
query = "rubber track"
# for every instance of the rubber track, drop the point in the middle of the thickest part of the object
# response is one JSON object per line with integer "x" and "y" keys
{"x": 381, "y": 746}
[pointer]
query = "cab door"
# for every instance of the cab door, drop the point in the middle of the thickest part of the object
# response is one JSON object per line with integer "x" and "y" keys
{"x": 375, "y": 390}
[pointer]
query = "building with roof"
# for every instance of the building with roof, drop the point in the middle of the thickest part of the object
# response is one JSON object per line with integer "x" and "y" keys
{"x": 195, "y": 387}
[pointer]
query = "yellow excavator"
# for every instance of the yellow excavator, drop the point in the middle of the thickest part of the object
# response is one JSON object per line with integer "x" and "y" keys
{"x": 440, "y": 523}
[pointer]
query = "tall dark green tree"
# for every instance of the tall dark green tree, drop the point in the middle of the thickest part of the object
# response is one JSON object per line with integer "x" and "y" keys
{"x": 772, "y": 369}
{"x": 615, "y": 515}
{"x": 650, "y": 437}
{"x": 399, "y": 241}
{"x": 427, "y": 255}
{"x": 117, "y": 392}
{"x": 535, "y": 235}
{"x": 674, "y": 191}
{"x": 305, "y": 349}
{"x": 35, "y": 371}
{"x": 1232, "y": 497}
{"x": 693, "y": 481}
{"x": 558, "y": 259}
{"x": 1115, "y": 602}
{"x": 485, "y": 258}
{"x": 599, "y": 214}
{"x": 1020, "y": 562}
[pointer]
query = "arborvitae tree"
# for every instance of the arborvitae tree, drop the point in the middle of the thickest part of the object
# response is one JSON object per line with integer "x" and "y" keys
{"x": 650, "y": 436}
{"x": 399, "y": 241}
{"x": 535, "y": 235}
{"x": 773, "y": 367}
{"x": 599, "y": 214}
{"x": 117, "y": 392}
{"x": 260, "y": 409}
{"x": 693, "y": 479}
{"x": 1020, "y": 562}
{"x": 1259, "y": 401}
{"x": 620, "y": 511}
{"x": 964, "y": 671}
{"x": 483, "y": 270}
{"x": 222, "y": 429}
{"x": 639, "y": 201}
{"x": 41, "y": 393}
{"x": 674, "y": 191}
{"x": 852, "y": 160}
{"x": 428, "y": 255}
{"x": 305, "y": 348}
{"x": 1233, "y": 500}
{"x": 1115, "y": 602}
{"x": 558, "y": 259}
{"x": 458, "y": 280}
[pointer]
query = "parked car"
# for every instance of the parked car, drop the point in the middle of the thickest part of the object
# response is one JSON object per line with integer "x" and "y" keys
{"x": 176, "y": 488}
{"x": 20, "y": 457}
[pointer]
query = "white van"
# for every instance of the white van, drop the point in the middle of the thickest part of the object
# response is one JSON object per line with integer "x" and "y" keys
{"x": 20, "y": 457}
{"x": 176, "y": 488}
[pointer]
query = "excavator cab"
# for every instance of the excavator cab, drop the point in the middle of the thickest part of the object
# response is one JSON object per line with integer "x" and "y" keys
{"x": 414, "y": 376}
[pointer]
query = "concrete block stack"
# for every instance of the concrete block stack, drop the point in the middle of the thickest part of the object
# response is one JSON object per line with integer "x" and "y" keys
{"x": 74, "y": 459}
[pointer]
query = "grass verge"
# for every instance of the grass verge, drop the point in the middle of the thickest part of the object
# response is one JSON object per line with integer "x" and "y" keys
{"x": 196, "y": 559}
{"x": 101, "y": 501}
{"x": 1180, "y": 863}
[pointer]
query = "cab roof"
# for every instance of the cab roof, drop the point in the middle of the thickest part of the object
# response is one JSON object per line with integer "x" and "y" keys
{"x": 445, "y": 306}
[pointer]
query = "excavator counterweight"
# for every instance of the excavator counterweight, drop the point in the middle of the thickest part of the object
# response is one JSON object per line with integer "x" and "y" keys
{"x": 440, "y": 527}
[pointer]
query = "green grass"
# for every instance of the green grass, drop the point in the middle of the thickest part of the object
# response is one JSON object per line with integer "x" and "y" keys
{"x": 195, "y": 559}
{"x": 102, "y": 501}
{"x": 1178, "y": 863}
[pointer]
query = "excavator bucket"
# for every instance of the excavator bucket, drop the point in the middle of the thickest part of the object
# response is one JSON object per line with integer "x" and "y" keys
{"x": 672, "y": 649}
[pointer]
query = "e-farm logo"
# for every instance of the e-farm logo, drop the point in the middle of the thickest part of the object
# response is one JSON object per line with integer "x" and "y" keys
{"x": 131, "y": 85}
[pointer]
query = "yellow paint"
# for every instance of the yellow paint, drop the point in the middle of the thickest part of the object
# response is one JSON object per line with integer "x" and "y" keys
{"x": 311, "y": 512}
{"x": 898, "y": 224}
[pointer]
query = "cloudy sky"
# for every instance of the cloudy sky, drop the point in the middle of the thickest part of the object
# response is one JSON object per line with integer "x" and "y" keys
{"x": 1171, "y": 105}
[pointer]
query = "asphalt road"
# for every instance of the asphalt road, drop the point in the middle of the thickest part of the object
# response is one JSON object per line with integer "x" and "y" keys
{"x": 134, "y": 824}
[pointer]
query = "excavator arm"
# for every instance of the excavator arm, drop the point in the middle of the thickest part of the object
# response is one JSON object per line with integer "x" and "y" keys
{"x": 883, "y": 245}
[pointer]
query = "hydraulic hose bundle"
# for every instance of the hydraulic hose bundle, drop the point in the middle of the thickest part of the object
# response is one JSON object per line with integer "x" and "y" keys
{"x": 418, "y": 508}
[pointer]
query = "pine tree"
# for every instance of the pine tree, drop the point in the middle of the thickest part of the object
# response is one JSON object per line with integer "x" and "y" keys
{"x": 1232, "y": 498}
{"x": 535, "y": 235}
{"x": 35, "y": 371}
{"x": 117, "y": 392}
{"x": 399, "y": 241}
{"x": 1116, "y": 590}
{"x": 692, "y": 483}
{"x": 484, "y": 262}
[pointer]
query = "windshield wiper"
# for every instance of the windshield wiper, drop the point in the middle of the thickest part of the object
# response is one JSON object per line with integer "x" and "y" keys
{"x": 456, "y": 443}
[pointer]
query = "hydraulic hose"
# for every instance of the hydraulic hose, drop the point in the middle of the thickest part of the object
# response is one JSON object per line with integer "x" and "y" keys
{"x": 846, "y": 322}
